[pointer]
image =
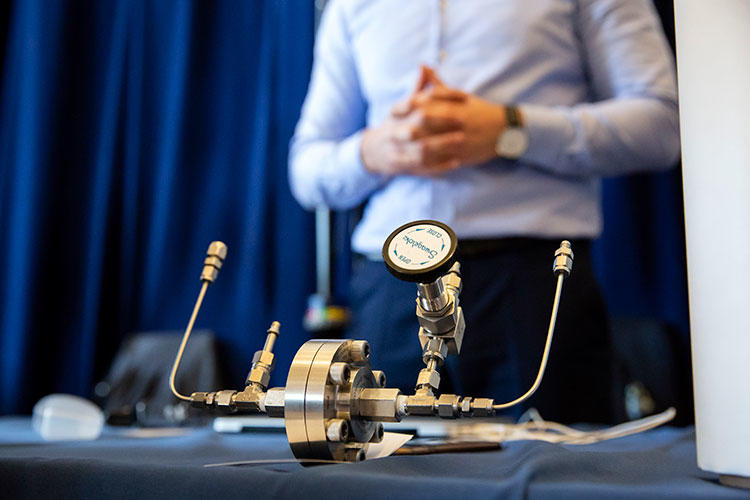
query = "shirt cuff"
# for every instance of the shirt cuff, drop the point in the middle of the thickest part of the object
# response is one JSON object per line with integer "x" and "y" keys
{"x": 358, "y": 180}
{"x": 550, "y": 134}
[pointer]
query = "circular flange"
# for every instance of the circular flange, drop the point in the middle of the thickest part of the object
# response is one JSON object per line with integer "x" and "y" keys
{"x": 294, "y": 399}
{"x": 313, "y": 399}
{"x": 420, "y": 251}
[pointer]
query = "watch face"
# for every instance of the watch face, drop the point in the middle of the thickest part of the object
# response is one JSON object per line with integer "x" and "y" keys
{"x": 512, "y": 143}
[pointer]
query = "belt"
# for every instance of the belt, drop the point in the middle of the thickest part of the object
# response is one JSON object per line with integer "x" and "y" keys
{"x": 483, "y": 247}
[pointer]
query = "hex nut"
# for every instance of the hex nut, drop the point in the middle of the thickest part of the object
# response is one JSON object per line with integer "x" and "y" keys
{"x": 274, "y": 403}
{"x": 482, "y": 407}
{"x": 437, "y": 324}
{"x": 429, "y": 378}
{"x": 265, "y": 357}
{"x": 435, "y": 348}
{"x": 447, "y": 405}
{"x": 563, "y": 259}
{"x": 259, "y": 375}
{"x": 210, "y": 398}
{"x": 379, "y": 404}
{"x": 209, "y": 273}
{"x": 466, "y": 406}
{"x": 198, "y": 399}
{"x": 225, "y": 399}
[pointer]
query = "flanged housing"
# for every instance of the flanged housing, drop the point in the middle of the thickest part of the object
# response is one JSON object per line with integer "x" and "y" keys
{"x": 322, "y": 397}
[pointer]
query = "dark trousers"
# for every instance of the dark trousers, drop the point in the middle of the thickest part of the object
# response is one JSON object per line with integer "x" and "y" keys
{"x": 507, "y": 300}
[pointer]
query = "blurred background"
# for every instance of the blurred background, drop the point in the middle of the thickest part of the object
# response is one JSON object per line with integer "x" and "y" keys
{"x": 134, "y": 132}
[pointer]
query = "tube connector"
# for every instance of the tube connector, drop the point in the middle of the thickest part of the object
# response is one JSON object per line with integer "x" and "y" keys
{"x": 223, "y": 400}
{"x": 452, "y": 281}
{"x": 264, "y": 361}
{"x": 215, "y": 255}
{"x": 230, "y": 401}
{"x": 563, "y": 259}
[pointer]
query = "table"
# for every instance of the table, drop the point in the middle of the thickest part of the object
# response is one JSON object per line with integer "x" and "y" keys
{"x": 657, "y": 464}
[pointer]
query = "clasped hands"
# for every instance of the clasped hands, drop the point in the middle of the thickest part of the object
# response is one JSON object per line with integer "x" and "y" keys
{"x": 435, "y": 130}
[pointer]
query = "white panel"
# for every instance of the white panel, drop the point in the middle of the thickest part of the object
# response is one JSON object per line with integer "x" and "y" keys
{"x": 713, "y": 63}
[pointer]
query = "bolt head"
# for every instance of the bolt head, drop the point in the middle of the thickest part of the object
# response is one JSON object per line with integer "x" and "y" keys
{"x": 337, "y": 430}
{"x": 359, "y": 351}
{"x": 339, "y": 373}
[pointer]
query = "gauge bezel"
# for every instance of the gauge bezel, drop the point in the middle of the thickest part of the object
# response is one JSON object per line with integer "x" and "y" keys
{"x": 428, "y": 274}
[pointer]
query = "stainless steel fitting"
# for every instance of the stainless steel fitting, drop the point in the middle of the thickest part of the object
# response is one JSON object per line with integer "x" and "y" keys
{"x": 563, "y": 259}
{"x": 274, "y": 402}
{"x": 432, "y": 296}
{"x": 435, "y": 348}
{"x": 380, "y": 405}
{"x": 422, "y": 403}
{"x": 429, "y": 379}
{"x": 264, "y": 361}
{"x": 453, "y": 336}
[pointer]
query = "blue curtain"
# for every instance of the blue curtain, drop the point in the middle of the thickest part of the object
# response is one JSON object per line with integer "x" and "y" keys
{"x": 133, "y": 133}
{"x": 640, "y": 257}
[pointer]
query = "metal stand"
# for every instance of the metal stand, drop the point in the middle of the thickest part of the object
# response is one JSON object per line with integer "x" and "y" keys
{"x": 734, "y": 481}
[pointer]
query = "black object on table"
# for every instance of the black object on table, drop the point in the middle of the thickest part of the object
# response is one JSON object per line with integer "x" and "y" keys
{"x": 657, "y": 464}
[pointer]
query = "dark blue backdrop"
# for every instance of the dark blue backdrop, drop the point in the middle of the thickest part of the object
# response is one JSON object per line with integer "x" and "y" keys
{"x": 133, "y": 133}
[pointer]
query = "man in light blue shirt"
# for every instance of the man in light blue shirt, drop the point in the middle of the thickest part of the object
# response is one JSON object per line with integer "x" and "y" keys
{"x": 499, "y": 118}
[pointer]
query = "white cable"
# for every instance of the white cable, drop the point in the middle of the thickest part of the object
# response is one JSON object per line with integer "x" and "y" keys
{"x": 553, "y": 432}
{"x": 185, "y": 339}
{"x": 543, "y": 364}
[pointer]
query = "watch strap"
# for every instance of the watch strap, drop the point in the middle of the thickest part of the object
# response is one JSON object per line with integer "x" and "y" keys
{"x": 512, "y": 116}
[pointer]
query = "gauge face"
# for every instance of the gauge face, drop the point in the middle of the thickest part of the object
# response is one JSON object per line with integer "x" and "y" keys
{"x": 419, "y": 247}
{"x": 416, "y": 251}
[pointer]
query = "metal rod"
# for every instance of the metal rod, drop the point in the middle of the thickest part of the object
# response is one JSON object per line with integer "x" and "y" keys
{"x": 273, "y": 334}
{"x": 323, "y": 251}
{"x": 184, "y": 341}
{"x": 543, "y": 364}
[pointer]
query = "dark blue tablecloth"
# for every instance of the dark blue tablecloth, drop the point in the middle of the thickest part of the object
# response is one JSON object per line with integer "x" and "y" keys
{"x": 657, "y": 464}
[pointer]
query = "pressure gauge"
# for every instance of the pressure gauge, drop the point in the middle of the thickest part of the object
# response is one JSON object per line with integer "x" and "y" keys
{"x": 420, "y": 251}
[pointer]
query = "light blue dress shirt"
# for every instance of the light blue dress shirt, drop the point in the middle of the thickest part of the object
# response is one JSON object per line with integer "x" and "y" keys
{"x": 594, "y": 80}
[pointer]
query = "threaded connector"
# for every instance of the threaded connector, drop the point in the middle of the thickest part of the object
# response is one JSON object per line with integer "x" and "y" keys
{"x": 563, "y": 259}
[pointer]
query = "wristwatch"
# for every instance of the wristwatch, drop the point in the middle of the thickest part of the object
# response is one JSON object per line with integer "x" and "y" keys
{"x": 513, "y": 140}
